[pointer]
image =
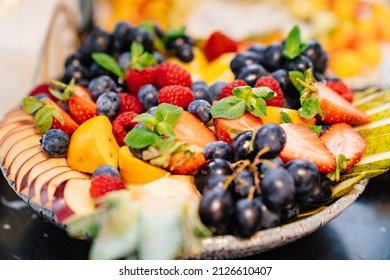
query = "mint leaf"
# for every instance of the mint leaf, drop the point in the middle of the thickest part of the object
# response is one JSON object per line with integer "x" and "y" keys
{"x": 136, "y": 50}
{"x": 172, "y": 34}
{"x": 30, "y": 104}
{"x": 165, "y": 129}
{"x": 146, "y": 119}
{"x": 285, "y": 118}
{"x": 43, "y": 119}
{"x": 139, "y": 58}
{"x": 140, "y": 137}
{"x": 294, "y": 75}
{"x": 109, "y": 63}
{"x": 230, "y": 107}
{"x": 257, "y": 106}
{"x": 316, "y": 129}
{"x": 341, "y": 163}
{"x": 243, "y": 92}
{"x": 264, "y": 92}
{"x": 293, "y": 44}
{"x": 310, "y": 108}
{"x": 168, "y": 113}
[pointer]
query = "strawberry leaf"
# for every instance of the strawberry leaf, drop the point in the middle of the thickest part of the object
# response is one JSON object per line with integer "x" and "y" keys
{"x": 230, "y": 107}
{"x": 109, "y": 63}
{"x": 293, "y": 45}
{"x": 43, "y": 119}
{"x": 294, "y": 76}
{"x": 56, "y": 114}
{"x": 140, "y": 137}
{"x": 168, "y": 113}
{"x": 30, "y": 104}
{"x": 285, "y": 118}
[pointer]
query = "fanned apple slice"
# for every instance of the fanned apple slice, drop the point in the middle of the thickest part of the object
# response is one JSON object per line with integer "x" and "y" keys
{"x": 11, "y": 138}
{"x": 72, "y": 197}
{"x": 26, "y": 166}
{"x": 18, "y": 116}
{"x": 20, "y": 146}
{"x": 49, "y": 188}
{"x": 38, "y": 169}
{"x": 20, "y": 159}
{"x": 38, "y": 182}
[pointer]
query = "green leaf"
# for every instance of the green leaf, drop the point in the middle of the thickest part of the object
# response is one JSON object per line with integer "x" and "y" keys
{"x": 294, "y": 75}
{"x": 285, "y": 118}
{"x": 56, "y": 114}
{"x": 140, "y": 137}
{"x": 264, "y": 92}
{"x": 260, "y": 108}
{"x": 168, "y": 113}
{"x": 165, "y": 129}
{"x": 243, "y": 92}
{"x": 341, "y": 163}
{"x": 293, "y": 44}
{"x": 146, "y": 119}
{"x": 109, "y": 63}
{"x": 316, "y": 129}
{"x": 230, "y": 107}
{"x": 172, "y": 34}
{"x": 136, "y": 49}
{"x": 43, "y": 119}
{"x": 30, "y": 104}
{"x": 310, "y": 108}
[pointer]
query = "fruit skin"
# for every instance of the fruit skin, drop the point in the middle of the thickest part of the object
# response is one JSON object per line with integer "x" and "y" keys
{"x": 201, "y": 109}
{"x": 217, "y": 44}
{"x": 135, "y": 79}
{"x": 212, "y": 169}
{"x": 217, "y": 149}
{"x": 129, "y": 103}
{"x": 241, "y": 146}
{"x": 147, "y": 96}
{"x": 137, "y": 171}
{"x": 227, "y": 89}
{"x": 107, "y": 170}
{"x": 272, "y": 83}
{"x": 102, "y": 184}
{"x": 177, "y": 95}
{"x": 270, "y": 136}
{"x": 342, "y": 89}
{"x": 305, "y": 173}
{"x": 108, "y": 104}
{"x": 227, "y": 129}
{"x": 251, "y": 73}
{"x": 92, "y": 145}
{"x": 122, "y": 125}
{"x": 189, "y": 166}
{"x": 303, "y": 143}
{"x": 343, "y": 139}
{"x": 69, "y": 125}
{"x": 168, "y": 73}
{"x": 55, "y": 143}
{"x": 81, "y": 108}
{"x": 100, "y": 85}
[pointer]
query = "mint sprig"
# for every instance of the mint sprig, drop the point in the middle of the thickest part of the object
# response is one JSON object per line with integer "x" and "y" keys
{"x": 285, "y": 118}
{"x": 139, "y": 58}
{"x": 293, "y": 45}
{"x": 243, "y": 98}
{"x": 109, "y": 63}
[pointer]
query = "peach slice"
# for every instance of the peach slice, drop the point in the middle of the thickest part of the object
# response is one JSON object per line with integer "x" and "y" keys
{"x": 20, "y": 146}
{"x": 13, "y": 112}
{"x": 7, "y": 128}
{"x": 18, "y": 116}
{"x": 48, "y": 189}
{"x": 12, "y": 137}
{"x": 38, "y": 169}
{"x": 72, "y": 198}
{"x": 20, "y": 159}
{"x": 38, "y": 182}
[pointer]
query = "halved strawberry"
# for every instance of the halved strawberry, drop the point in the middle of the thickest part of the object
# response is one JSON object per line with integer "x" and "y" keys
{"x": 343, "y": 139}
{"x": 303, "y": 143}
{"x": 226, "y": 129}
{"x": 81, "y": 108}
{"x": 184, "y": 163}
{"x": 191, "y": 130}
{"x": 217, "y": 44}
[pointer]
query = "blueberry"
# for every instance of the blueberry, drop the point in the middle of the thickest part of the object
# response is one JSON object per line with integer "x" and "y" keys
{"x": 273, "y": 58}
{"x": 305, "y": 173}
{"x": 122, "y": 35}
{"x": 201, "y": 109}
{"x": 144, "y": 37}
{"x": 147, "y": 96}
{"x": 55, "y": 142}
{"x": 159, "y": 57}
{"x": 272, "y": 136}
{"x": 73, "y": 59}
{"x": 259, "y": 49}
{"x": 77, "y": 72}
{"x": 124, "y": 59}
{"x": 317, "y": 55}
{"x": 185, "y": 53}
{"x": 244, "y": 59}
{"x": 241, "y": 146}
{"x": 251, "y": 73}
{"x": 301, "y": 63}
{"x": 201, "y": 91}
{"x": 152, "y": 110}
{"x": 291, "y": 94}
{"x": 108, "y": 104}
{"x": 106, "y": 169}
{"x": 95, "y": 70}
{"x": 215, "y": 89}
{"x": 100, "y": 85}
{"x": 173, "y": 44}
{"x": 217, "y": 149}
{"x": 98, "y": 40}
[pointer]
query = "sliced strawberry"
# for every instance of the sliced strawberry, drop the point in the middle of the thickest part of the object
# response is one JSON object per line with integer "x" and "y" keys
{"x": 81, "y": 108}
{"x": 303, "y": 143}
{"x": 68, "y": 124}
{"x": 226, "y": 129}
{"x": 342, "y": 89}
{"x": 337, "y": 109}
{"x": 191, "y": 130}
{"x": 342, "y": 139}
{"x": 217, "y": 44}
{"x": 185, "y": 164}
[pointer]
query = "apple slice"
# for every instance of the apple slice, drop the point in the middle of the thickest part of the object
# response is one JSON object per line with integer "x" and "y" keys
{"x": 38, "y": 169}
{"x": 20, "y": 159}
{"x": 20, "y": 146}
{"x": 26, "y": 166}
{"x": 18, "y": 116}
{"x": 12, "y": 137}
{"x": 49, "y": 188}
{"x": 37, "y": 183}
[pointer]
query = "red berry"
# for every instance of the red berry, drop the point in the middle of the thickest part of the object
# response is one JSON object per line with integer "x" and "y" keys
{"x": 342, "y": 89}
{"x": 103, "y": 184}
{"x": 136, "y": 79}
{"x": 122, "y": 125}
{"x": 218, "y": 44}
{"x": 273, "y": 84}
{"x": 176, "y": 95}
{"x": 227, "y": 90}
{"x": 129, "y": 102}
{"x": 168, "y": 73}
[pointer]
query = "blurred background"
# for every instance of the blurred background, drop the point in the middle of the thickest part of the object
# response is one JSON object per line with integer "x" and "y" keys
{"x": 37, "y": 36}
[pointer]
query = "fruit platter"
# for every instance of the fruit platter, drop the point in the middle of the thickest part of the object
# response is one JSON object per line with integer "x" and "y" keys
{"x": 156, "y": 145}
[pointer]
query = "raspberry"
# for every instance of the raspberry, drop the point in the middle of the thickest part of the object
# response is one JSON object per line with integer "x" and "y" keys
{"x": 122, "y": 125}
{"x": 129, "y": 102}
{"x": 341, "y": 89}
{"x": 176, "y": 95}
{"x": 273, "y": 84}
{"x": 227, "y": 90}
{"x": 102, "y": 184}
{"x": 168, "y": 73}
{"x": 136, "y": 79}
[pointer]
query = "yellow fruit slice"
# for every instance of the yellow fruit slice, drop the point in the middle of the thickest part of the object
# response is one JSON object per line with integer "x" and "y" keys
{"x": 274, "y": 116}
{"x": 136, "y": 171}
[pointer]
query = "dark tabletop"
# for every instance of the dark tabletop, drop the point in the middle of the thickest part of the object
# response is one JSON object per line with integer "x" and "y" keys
{"x": 360, "y": 232}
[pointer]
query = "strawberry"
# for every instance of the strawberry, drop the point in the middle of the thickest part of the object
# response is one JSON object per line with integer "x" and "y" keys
{"x": 42, "y": 89}
{"x": 102, "y": 184}
{"x": 122, "y": 125}
{"x": 217, "y": 44}
{"x": 191, "y": 130}
{"x": 185, "y": 164}
{"x": 67, "y": 124}
{"x": 227, "y": 129}
{"x": 129, "y": 103}
{"x": 342, "y": 89}
{"x": 169, "y": 73}
{"x": 342, "y": 139}
{"x": 176, "y": 95}
{"x": 135, "y": 79}
{"x": 303, "y": 143}
{"x": 273, "y": 84}
{"x": 227, "y": 90}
